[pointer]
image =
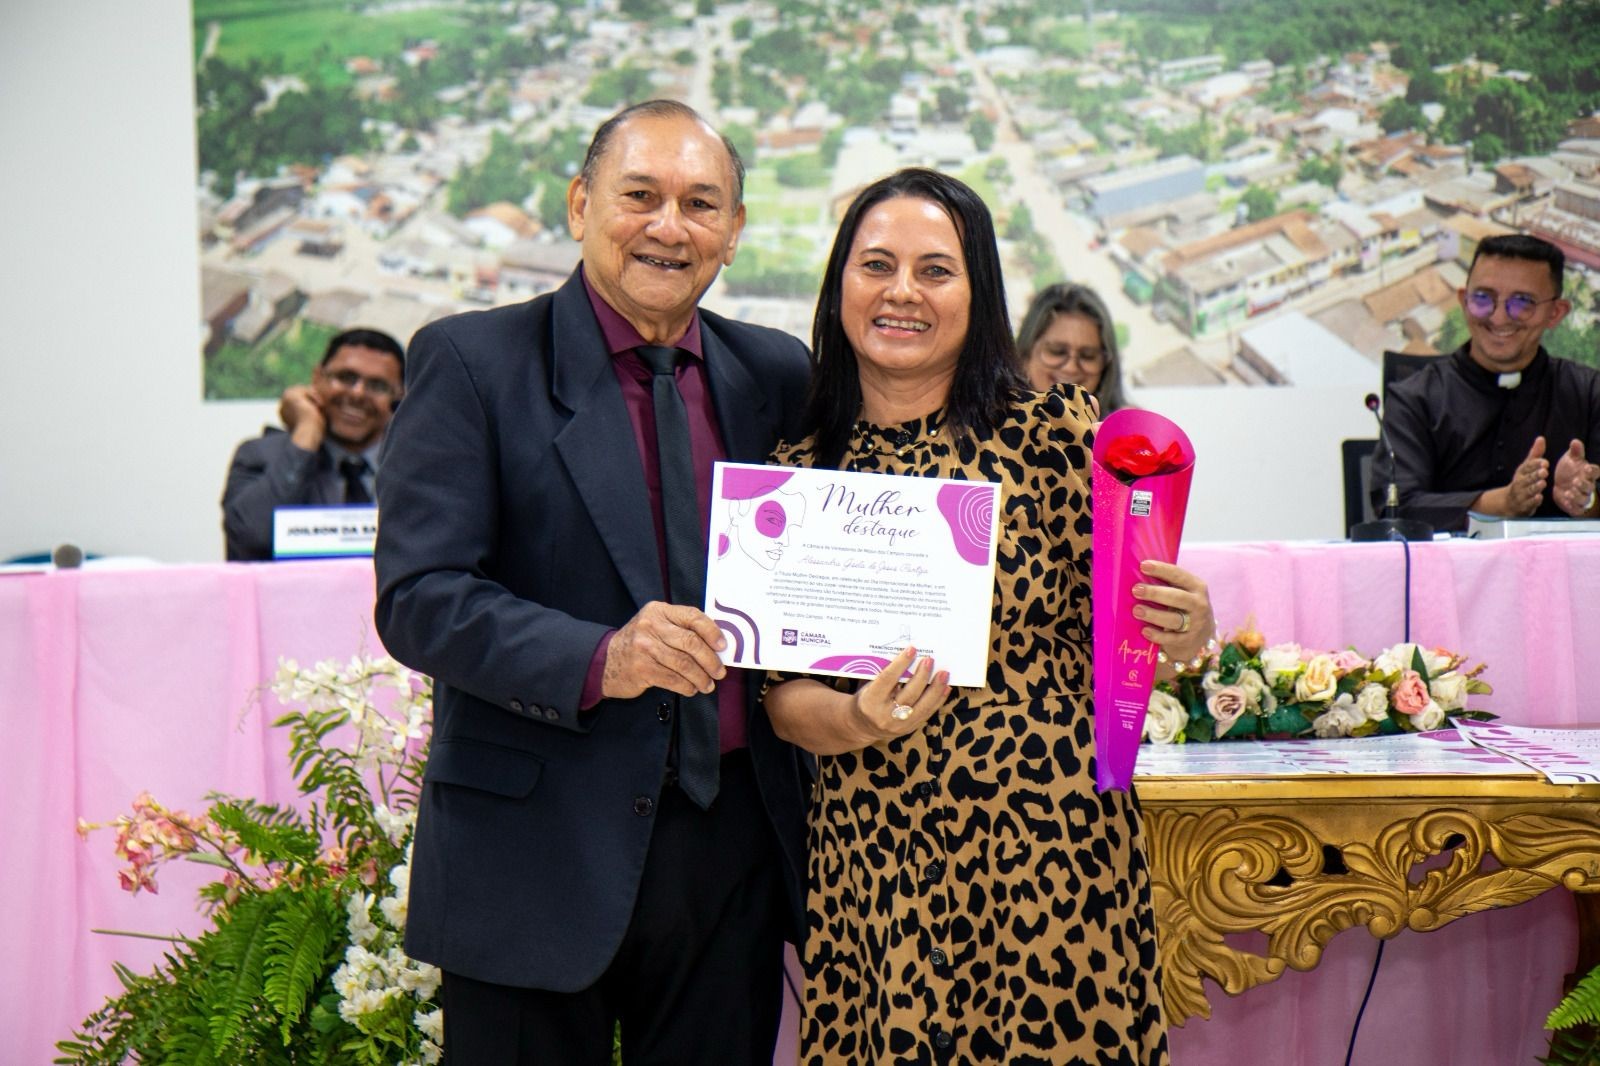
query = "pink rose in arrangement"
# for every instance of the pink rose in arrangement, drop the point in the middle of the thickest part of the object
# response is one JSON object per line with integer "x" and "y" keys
{"x": 1226, "y": 704}
{"x": 1411, "y": 694}
{"x": 1348, "y": 660}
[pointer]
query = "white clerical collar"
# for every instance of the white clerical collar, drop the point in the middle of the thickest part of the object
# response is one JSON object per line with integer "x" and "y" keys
{"x": 1509, "y": 381}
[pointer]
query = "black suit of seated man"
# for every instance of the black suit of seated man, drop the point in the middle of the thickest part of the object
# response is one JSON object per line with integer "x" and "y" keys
{"x": 1499, "y": 426}
{"x": 564, "y": 878}
{"x": 329, "y": 450}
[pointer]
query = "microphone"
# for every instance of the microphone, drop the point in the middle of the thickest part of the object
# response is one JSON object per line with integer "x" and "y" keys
{"x": 1391, "y": 494}
{"x": 1388, "y": 525}
{"x": 67, "y": 556}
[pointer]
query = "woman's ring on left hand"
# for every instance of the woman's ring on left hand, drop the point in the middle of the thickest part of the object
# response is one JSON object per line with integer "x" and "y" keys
{"x": 901, "y": 711}
{"x": 1183, "y": 620}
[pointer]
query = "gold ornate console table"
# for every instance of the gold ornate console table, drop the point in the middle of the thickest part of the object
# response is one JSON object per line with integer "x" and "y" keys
{"x": 1300, "y": 859}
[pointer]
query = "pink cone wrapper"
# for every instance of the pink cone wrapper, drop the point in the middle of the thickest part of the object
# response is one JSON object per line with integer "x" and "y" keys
{"x": 1132, "y": 523}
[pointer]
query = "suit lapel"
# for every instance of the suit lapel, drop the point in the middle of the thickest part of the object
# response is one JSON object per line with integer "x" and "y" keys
{"x": 740, "y": 402}
{"x": 597, "y": 444}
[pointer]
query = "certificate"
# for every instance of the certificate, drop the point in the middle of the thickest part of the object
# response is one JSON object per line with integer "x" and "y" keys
{"x": 833, "y": 572}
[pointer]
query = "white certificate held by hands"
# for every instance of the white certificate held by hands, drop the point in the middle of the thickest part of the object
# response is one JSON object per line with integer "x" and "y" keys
{"x": 832, "y": 572}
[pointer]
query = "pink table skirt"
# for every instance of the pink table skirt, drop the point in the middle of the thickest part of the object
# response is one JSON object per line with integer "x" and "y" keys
{"x": 114, "y": 681}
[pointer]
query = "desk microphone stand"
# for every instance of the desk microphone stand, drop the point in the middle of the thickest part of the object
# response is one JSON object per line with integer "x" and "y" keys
{"x": 1389, "y": 527}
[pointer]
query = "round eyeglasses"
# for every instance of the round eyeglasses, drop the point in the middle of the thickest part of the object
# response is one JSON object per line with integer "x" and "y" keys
{"x": 1519, "y": 305}
{"x": 349, "y": 379}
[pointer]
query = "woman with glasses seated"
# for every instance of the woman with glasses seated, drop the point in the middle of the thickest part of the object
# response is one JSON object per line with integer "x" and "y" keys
{"x": 327, "y": 452}
{"x": 1498, "y": 426}
{"x": 1067, "y": 336}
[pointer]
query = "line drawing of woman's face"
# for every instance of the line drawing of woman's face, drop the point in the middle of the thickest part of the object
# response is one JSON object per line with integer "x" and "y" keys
{"x": 763, "y": 528}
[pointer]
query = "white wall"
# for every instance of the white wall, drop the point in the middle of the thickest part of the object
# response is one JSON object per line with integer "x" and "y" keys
{"x": 104, "y": 438}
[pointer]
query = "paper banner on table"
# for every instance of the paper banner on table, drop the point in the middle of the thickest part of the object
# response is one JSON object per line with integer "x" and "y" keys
{"x": 1137, "y": 516}
{"x": 1440, "y": 753}
{"x": 1563, "y": 756}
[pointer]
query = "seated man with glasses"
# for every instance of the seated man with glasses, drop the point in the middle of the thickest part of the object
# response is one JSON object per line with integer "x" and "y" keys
{"x": 328, "y": 451}
{"x": 1499, "y": 427}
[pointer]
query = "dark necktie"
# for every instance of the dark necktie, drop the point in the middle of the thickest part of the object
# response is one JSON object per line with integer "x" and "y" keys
{"x": 353, "y": 469}
{"x": 698, "y": 745}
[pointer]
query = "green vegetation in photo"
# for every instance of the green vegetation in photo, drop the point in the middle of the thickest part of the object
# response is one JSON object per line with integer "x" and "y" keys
{"x": 263, "y": 371}
{"x": 769, "y": 204}
{"x": 1323, "y": 171}
{"x": 1554, "y": 44}
{"x": 618, "y": 87}
{"x": 787, "y": 50}
{"x": 743, "y": 139}
{"x": 314, "y": 38}
{"x": 773, "y": 272}
{"x": 514, "y": 171}
{"x": 1259, "y": 203}
{"x": 986, "y": 179}
{"x": 801, "y": 171}
{"x": 239, "y": 134}
{"x": 500, "y": 175}
{"x": 982, "y": 131}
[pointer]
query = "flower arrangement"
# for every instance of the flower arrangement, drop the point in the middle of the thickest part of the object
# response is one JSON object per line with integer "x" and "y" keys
{"x": 1247, "y": 690}
{"x": 302, "y": 963}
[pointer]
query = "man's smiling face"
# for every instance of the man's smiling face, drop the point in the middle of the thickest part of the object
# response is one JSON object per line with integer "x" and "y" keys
{"x": 658, "y": 221}
{"x": 1501, "y": 343}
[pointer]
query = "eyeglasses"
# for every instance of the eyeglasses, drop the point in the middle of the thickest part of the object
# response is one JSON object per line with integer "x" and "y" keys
{"x": 1059, "y": 357}
{"x": 377, "y": 387}
{"x": 1519, "y": 305}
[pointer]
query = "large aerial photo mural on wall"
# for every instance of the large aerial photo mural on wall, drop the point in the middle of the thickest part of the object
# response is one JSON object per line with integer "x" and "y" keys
{"x": 1265, "y": 192}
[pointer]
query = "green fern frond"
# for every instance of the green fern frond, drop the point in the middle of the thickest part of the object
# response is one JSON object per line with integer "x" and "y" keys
{"x": 272, "y": 833}
{"x": 238, "y": 949}
{"x": 1572, "y": 1049}
{"x": 1581, "y": 1006}
{"x": 302, "y": 938}
{"x": 190, "y": 1043}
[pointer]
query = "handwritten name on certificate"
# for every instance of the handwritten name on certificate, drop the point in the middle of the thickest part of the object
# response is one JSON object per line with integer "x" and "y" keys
{"x": 832, "y": 572}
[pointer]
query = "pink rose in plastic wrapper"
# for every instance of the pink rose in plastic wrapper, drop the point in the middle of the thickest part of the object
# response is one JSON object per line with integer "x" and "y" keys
{"x": 1143, "y": 464}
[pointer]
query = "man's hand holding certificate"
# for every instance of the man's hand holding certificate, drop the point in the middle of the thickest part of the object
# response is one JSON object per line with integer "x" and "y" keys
{"x": 832, "y": 572}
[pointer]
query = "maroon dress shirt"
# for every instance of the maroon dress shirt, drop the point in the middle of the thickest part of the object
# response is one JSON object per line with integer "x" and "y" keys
{"x": 706, "y": 447}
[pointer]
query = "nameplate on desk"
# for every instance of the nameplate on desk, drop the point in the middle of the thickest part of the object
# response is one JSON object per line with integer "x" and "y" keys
{"x": 1493, "y": 527}
{"x": 323, "y": 532}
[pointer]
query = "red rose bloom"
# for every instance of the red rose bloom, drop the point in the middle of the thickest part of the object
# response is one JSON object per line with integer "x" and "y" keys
{"x": 1134, "y": 456}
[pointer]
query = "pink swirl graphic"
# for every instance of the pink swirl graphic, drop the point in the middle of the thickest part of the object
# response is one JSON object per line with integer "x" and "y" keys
{"x": 969, "y": 512}
{"x": 861, "y": 665}
{"x": 747, "y": 484}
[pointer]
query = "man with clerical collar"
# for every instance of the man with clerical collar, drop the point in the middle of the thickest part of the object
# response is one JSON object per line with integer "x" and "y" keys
{"x": 327, "y": 452}
{"x": 609, "y": 833}
{"x": 1499, "y": 427}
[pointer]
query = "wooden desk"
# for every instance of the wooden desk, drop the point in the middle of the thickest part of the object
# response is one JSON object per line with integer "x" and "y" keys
{"x": 1301, "y": 859}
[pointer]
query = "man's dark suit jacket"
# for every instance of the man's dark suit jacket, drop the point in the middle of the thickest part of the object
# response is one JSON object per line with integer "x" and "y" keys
{"x": 267, "y": 472}
{"x": 516, "y": 531}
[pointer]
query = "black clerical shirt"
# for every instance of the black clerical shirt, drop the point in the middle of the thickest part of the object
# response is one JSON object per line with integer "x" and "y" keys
{"x": 1457, "y": 433}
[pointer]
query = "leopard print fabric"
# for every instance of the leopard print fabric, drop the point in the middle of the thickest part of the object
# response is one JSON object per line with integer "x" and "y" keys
{"x": 972, "y": 898}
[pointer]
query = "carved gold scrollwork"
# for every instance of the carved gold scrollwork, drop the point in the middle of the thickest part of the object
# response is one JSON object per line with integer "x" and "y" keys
{"x": 1234, "y": 869}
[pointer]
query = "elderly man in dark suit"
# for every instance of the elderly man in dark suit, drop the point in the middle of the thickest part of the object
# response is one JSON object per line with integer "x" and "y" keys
{"x": 609, "y": 830}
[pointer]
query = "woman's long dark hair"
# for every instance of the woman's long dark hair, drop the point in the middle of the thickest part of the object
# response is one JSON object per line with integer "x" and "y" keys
{"x": 988, "y": 374}
{"x": 1070, "y": 298}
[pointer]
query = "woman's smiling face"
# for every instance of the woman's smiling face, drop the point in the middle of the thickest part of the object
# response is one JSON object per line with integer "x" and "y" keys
{"x": 906, "y": 298}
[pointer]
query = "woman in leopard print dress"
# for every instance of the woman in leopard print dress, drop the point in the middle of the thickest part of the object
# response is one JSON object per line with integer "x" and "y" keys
{"x": 972, "y": 898}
